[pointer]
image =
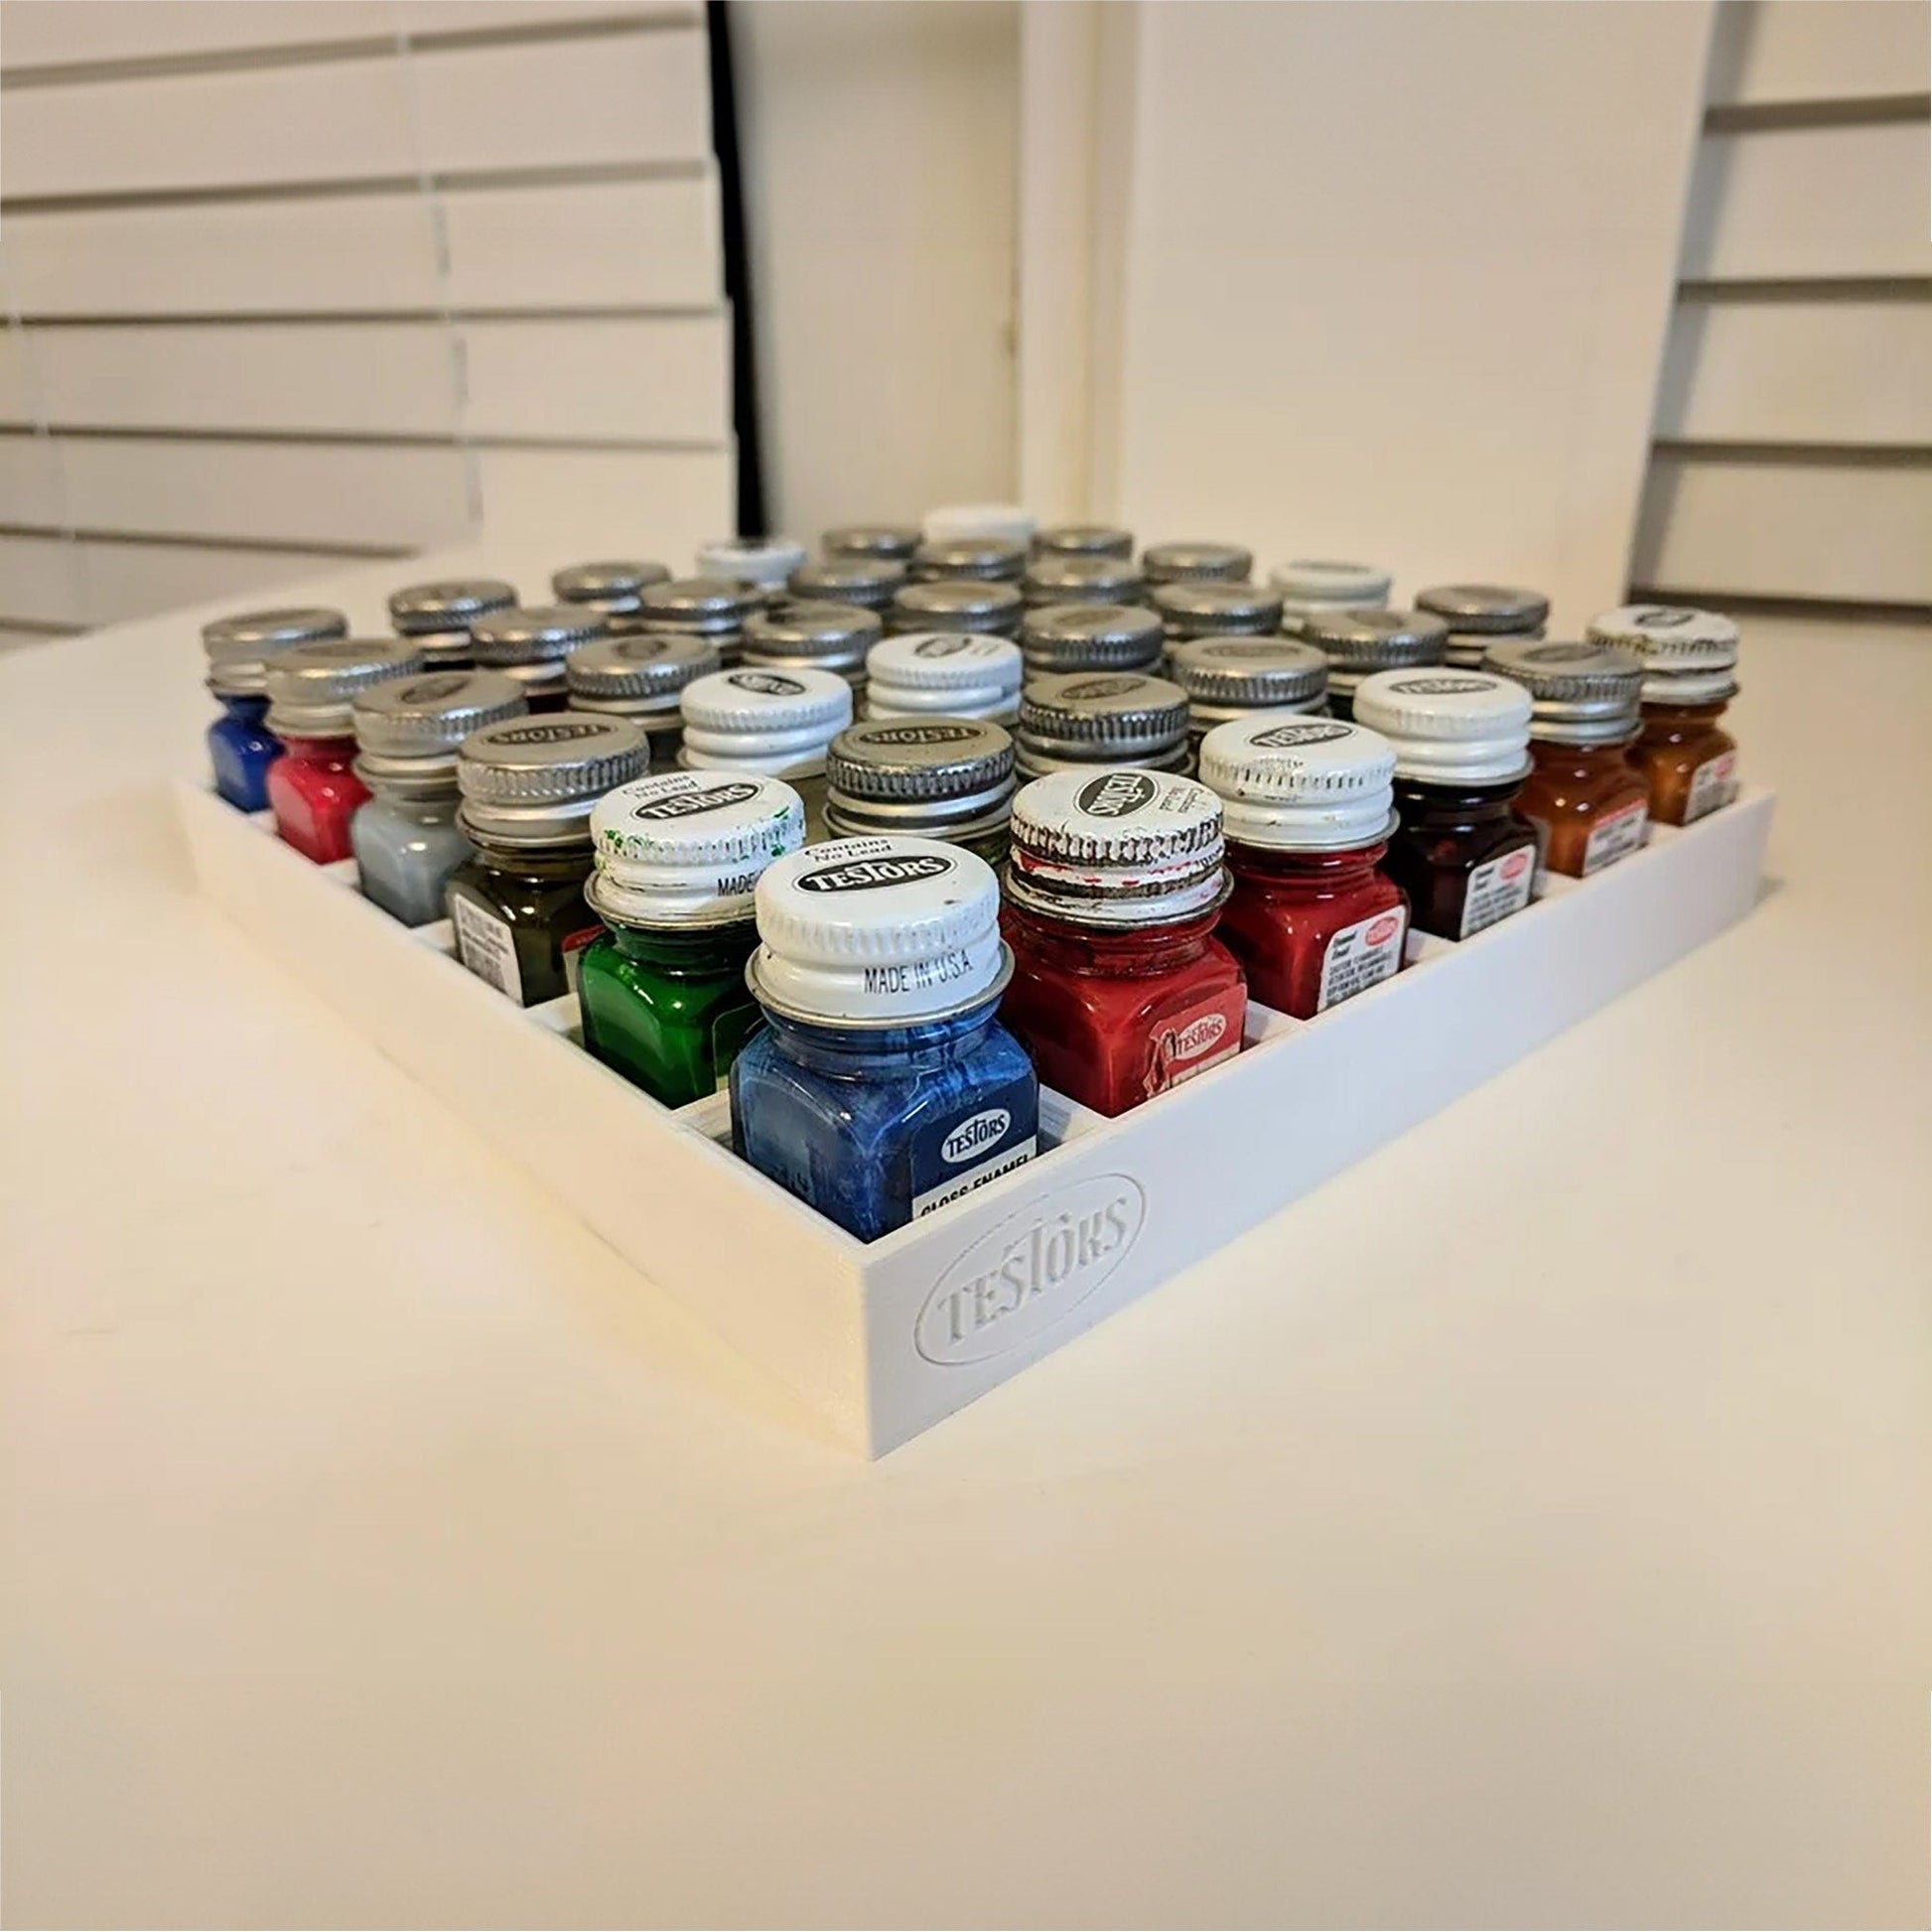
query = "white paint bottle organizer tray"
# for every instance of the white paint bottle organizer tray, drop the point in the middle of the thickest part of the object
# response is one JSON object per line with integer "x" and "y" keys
{"x": 883, "y": 1341}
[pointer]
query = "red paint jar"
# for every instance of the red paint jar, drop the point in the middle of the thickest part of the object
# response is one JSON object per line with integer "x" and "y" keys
{"x": 1308, "y": 806}
{"x": 1688, "y": 762}
{"x": 1120, "y": 988}
{"x": 312, "y": 691}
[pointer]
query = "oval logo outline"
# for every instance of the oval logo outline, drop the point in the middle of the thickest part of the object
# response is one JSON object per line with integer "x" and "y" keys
{"x": 999, "y": 1295}
{"x": 975, "y": 1135}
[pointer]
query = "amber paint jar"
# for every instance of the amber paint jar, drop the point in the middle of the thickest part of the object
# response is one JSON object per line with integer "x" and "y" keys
{"x": 1687, "y": 758}
{"x": 1308, "y": 806}
{"x": 1463, "y": 853}
{"x": 1588, "y": 806}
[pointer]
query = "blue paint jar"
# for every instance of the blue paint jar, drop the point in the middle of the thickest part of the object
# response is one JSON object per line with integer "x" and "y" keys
{"x": 884, "y": 1085}
{"x": 240, "y": 746}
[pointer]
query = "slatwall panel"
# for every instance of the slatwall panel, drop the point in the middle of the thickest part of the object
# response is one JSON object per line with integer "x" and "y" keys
{"x": 1794, "y": 412}
{"x": 627, "y": 244}
{"x": 54, "y": 580}
{"x": 294, "y": 279}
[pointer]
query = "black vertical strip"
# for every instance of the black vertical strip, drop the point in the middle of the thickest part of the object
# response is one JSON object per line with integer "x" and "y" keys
{"x": 737, "y": 273}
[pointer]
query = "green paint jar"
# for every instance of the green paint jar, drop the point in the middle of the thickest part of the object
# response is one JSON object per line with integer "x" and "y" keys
{"x": 663, "y": 991}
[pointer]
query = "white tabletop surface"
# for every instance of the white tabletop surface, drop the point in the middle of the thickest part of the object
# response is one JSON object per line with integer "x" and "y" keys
{"x": 1533, "y": 1526}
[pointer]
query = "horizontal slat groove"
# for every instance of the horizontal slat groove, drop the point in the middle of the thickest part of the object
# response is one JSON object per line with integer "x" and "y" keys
{"x": 365, "y": 440}
{"x": 276, "y": 318}
{"x": 39, "y": 627}
{"x": 564, "y": 175}
{"x": 1739, "y": 603}
{"x": 215, "y": 540}
{"x": 1809, "y": 288}
{"x": 1826, "y": 456}
{"x": 68, "y": 73}
{"x": 1770, "y": 117}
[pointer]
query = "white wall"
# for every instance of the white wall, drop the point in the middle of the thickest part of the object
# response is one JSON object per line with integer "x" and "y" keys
{"x": 1390, "y": 281}
{"x": 880, "y": 146}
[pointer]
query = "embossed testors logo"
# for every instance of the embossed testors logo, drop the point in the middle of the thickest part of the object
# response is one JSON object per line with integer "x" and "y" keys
{"x": 1032, "y": 1271}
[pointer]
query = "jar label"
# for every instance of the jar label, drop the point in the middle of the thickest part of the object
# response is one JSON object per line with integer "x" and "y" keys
{"x": 1712, "y": 783}
{"x": 953, "y": 1155}
{"x": 1615, "y": 837}
{"x": 991, "y": 1169}
{"x": 1496, "y": 889}
{"x": 1360, "y": 956}
{"x": 485, "y": 944}
{"x": 1188, "y": 1042}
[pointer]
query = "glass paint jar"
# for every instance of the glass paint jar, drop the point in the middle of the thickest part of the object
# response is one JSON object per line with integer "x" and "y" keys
{"x": 956, "y": 604}
{"x": 761, "y": 564}
{"x": 530, "y": 647}
{"x": 884, "y": 1085}
{"x": 1083, "y": 718}
{"x": 1008, "y": 522}
{"x": 951, "y": 673}
{"x": 757, "y": 722}
{"x": 1197, "y": 608}
{"x": 661, "y": 990}
{"x": 1308, "y": 806}
{"x": 529, "y": 785}
{"x": 1179, "y": 563}
{"x": 313, "y": 790}
{"x": 868, "y": 581}
{"x": 1687, "y": 760}
{"x": 890, "y": 543}
{"x": 641, "y": 676}
{"x": 240, "y": 746}
{"x": 796, "y": 635}
{"x": 1359, "y": 642}
{"x": 1120, "y": 988}
{"x": 1313, "y": 587}
{"x": 1477, "y": 615}
{"x": 1463, "y": 854}
{"x": 711, "y": 607}
{"x": 438, "y": 617}
{"x": 615, "y": 587}
{"x": 1090, "y": 637}
{"x": 1056, "y": 579}
{"x": 405, "y": 836}
{"x": 977, "y": 560}
{"x": 1226, "y": 678}
{"x": 1588, "y": 805}
{"x": 1083, "y": 540}
{"x": 936, "y": 777}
